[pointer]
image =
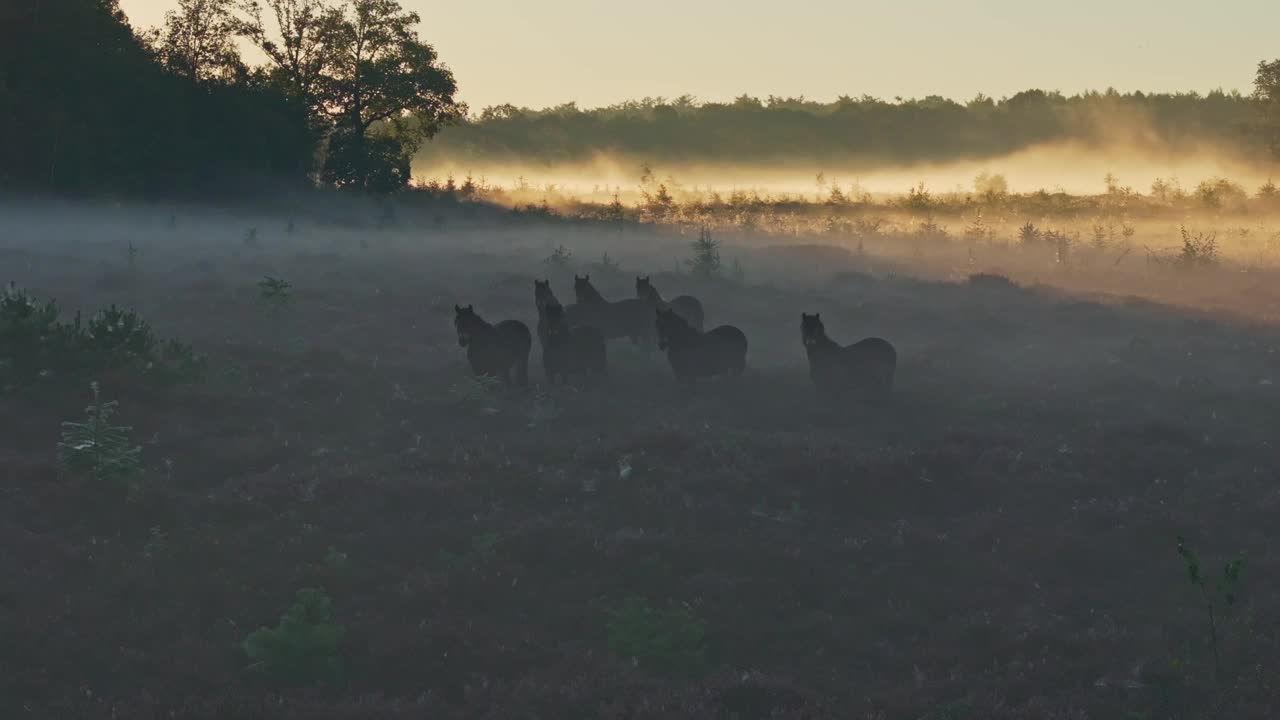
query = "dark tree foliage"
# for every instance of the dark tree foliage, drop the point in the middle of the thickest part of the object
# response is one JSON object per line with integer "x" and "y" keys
{"x": 371, "y": 84}
{"x": 1266, "y": 92}
{"x": 854, "y": 131}
{"x": 376, "y": 163}
{"x": 87, "y": 107}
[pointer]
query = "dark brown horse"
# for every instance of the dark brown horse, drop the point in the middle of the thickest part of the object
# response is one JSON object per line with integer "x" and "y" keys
{"x": 631, "y": 318}
{"x": 865, "y": 368}
{"x": 571, "y": 349}
{"x": 686, "y": 306}
{"x": 694, "y": 354}
{"x": 500, "y": 350}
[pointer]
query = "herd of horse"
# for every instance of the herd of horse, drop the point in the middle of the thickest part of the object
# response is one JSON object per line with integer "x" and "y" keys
{"x": 574, "y": 341}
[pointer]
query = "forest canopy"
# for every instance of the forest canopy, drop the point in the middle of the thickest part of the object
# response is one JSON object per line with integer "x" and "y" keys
{"x": 89, "y": 105}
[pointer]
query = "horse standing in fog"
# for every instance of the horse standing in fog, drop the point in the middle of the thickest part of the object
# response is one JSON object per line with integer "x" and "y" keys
{"x": 631, "y": 318}
{"x": 500, "y": 350}
{"x": 694, "y": 354}
{"x": 865, "y": 368}
{"x": 686, "y": 306}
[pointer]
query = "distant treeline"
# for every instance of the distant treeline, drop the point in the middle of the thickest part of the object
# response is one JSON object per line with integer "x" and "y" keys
{"x": 86, "y": 107}
{"x": 852, "y": 131}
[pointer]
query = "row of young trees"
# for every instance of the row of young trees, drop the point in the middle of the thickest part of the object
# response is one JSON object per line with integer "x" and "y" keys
{"x": 347, "y": 94}
{"x": 862, "y": 131}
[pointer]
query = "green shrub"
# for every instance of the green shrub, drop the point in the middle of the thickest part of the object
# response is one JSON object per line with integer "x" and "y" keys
{"x": 35, "y": 344}
{"x": 177, "y": 362}
{"x": 32, "y": 340}
{"x": 667, "y": 641}
{"x": 119, "y": 337}
{"x": 304, "y": 649}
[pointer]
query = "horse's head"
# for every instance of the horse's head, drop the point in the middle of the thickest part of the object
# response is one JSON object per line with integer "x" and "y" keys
{"x": 583, "y": 290}
{"x": 811, "y": 329}
{"x": 670, "y": 327}
{"x": 465, "y": 321}
{"x": 556, "y": 326}
{"x": 645, "y": 289}
{"x": 542, "y": 294}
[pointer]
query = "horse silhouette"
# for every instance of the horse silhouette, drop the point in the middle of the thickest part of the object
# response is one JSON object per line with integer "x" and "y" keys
{"x": 865, "y": 368}
{"x": 686, "y": 306}
{"x": 500, "y": 350}
{"x": 630, "y": 318}
{"x": 543, "y": 297}
{"x": 694, "y": 354}
{"x": 571, "y": 349}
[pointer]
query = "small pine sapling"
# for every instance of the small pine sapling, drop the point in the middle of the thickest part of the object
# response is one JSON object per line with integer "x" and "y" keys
{"x": 705, "y": 263}
{"x": 98, "y": 450}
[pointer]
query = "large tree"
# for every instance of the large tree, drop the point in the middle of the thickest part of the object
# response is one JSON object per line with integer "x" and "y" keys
{"x": 198, "y": 40}
{"x": 368, "y": 78}
{"x": 86, "y": 108}
{"x": 292, "y": 41}
{"x": 1266, "y": 91}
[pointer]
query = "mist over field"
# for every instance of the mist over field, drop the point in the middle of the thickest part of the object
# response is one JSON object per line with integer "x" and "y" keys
{"x": 1075, "y": 168}
{"x": 324, "y": 396}
{"x": 1036, "y": 140}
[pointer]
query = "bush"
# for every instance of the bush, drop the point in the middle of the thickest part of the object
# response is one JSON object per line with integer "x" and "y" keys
{"x": 303, "y": 649}
{"x": 1198, "y": 249}
{"x": 119, "y": 337}
{"x": 667, "y": 641}
{"x": 35, "y": 344}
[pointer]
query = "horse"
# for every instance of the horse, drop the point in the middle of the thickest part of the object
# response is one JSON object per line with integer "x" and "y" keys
{"x": 694, "y": 354}
{"x": 686, "y": 306}
{"x": 865, "y": 368}
{"x": 630, "y": 318}
{"x": 500, "y": 350}
{"x": 571, "y": 349}
{"x": 543, "y": 297}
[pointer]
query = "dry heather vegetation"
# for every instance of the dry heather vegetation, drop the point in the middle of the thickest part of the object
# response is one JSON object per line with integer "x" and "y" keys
{"x": 303, "y": 506}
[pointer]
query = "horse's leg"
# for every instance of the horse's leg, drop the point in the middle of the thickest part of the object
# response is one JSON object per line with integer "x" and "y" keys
{"x": 522, "y": 370}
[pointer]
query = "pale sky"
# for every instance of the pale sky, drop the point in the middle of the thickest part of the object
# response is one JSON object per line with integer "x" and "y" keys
{"x": 597, "y": 52}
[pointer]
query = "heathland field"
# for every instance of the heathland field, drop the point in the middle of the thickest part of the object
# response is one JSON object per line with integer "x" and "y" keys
{"x": 307, "y": 452}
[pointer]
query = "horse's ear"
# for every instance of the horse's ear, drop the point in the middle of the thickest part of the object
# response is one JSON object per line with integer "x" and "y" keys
{"x": 817, "y": 316}
{"x": 587, "y": 277}
{"x": 457, "y": 308}
{"x": 471, "y": 308}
